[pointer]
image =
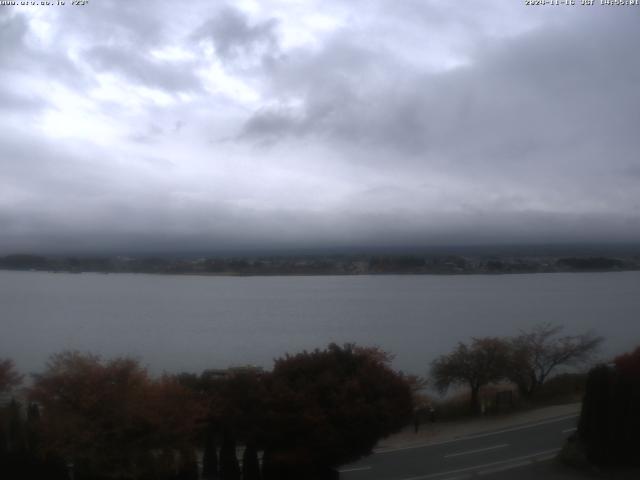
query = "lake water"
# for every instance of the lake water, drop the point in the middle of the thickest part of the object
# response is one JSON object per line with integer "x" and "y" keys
{"x": 191, "y": 323}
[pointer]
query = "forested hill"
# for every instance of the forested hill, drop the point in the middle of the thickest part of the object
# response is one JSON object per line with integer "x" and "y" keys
{"x": 324, "y": 264}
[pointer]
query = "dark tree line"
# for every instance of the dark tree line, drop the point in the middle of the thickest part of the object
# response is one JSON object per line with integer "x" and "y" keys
{"x": 21, "y": 453}
{"x": 319, "y": 264}
{"x": 112, "y": 420}
{"x": 313, "y": 412}
{"x": 610, "y": 418}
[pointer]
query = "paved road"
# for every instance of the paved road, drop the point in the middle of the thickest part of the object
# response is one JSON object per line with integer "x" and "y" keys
{"x": 487, "y": 454}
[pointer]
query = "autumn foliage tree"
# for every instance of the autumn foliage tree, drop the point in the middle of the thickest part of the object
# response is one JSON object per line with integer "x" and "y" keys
{"x": 329, "y": 407}
{"x": 110, "y": 419}
{"x": 106, "y": 417}
{"x": 482, "y": 362}
{"x": 628, "y": 364}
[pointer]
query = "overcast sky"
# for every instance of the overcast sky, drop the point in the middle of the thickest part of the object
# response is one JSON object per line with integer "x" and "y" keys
{"x": 276, "y": 123}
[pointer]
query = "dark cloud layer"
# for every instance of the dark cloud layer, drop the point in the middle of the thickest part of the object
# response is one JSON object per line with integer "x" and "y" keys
{"x": 534, "y": 96}
{"x": 292, "y": 125}
{"x": 140, "y": 69}
{"x": 233, "y": 35}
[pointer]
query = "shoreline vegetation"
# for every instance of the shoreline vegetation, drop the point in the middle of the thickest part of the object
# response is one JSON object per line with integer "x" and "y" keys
{"x": 317, "y": 265}
{"x": 87, "y": 418}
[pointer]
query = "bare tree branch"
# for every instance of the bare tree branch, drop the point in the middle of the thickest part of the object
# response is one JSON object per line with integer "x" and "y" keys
{"x": 538, "y": 352}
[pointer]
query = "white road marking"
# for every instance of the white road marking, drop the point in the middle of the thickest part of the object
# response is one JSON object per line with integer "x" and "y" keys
{"x": 504, "y": 468}
{"x": 513, "y": 462}
{"x": 354, "y": 469}
{"x": 479, "y": 435}
{"x": 569, "y": 430}
{"x": 469, "y": 452}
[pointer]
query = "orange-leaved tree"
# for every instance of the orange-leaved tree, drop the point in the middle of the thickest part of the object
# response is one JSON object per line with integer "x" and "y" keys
{"x": 109, "y": 417}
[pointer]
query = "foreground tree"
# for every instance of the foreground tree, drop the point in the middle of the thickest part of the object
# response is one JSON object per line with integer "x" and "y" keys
{"x": 188, "y": 465}
{"x": 610, "y": 418}
{"x": 250, "y": 463}
{"x": 210, "y": 456}
{"x": 9, "y": 377}
{"x": 483, "y": 362}
{"x": 229, "y": 467}
{"x": 14, "y": 453}
{"x": 329, "y": 407}
{"x": 628, "y": 364}
{"x": 108, "y": 416}
{"x": 536, "y": 353}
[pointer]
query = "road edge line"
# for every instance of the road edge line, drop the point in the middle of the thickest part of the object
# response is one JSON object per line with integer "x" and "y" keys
{"x": 511, "y": 462}
{"x": 478, "y": 435}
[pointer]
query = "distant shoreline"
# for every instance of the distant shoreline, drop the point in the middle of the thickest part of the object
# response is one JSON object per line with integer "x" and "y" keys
{"x": 325, "y": 265}
{"x": 322, "y": 274}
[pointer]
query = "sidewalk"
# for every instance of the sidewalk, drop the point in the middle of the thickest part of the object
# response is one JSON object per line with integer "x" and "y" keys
{"x": 450, "y": 430}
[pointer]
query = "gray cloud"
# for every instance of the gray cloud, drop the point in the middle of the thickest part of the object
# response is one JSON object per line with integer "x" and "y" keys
{"x": 233, "y": 35}
{"x": 525, "y": 114}
{"x": 512, "y": 100}
{"x": 139, "y": 68}
{"x": 16, "y": 102}
{"x": 130, "y": 23}
{"x": 18, "y": 56}
{"x": 391, "y": 125}
{"x": 12, "y": 32}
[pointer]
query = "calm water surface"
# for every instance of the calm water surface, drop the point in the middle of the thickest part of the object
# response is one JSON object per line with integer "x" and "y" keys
{"x": 178, "y": 323}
